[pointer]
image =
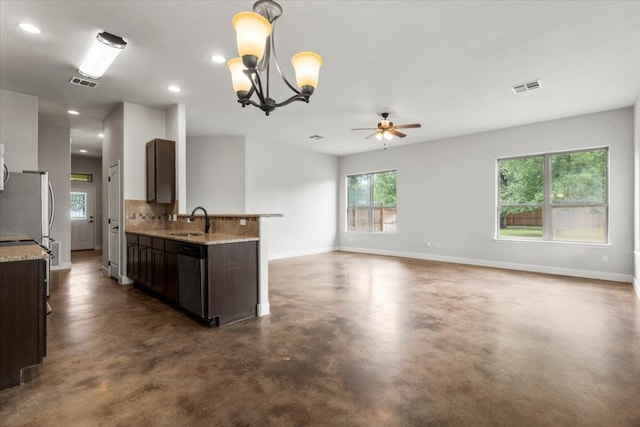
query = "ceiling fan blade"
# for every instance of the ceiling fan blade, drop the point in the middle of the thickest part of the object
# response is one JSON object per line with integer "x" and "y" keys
{"x": 413, "y": 125}
{"x": 364, "y": 129}
{"x": 396, "y": 133}
{"x": 369, "y": 136}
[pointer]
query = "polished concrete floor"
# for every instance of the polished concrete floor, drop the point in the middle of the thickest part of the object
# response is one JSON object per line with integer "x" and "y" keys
{"x": 353, "y": 340}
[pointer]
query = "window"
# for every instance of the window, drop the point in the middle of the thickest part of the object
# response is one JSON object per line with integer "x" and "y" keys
{"x": 371, "y": 202}
{"x": 78, "y": 206}
{"x": 557, "y": 197}
{"x": 81, "y": 177}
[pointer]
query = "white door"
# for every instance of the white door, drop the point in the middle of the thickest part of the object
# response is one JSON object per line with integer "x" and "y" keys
{"x": 114, "y": 220}
{"x": 83, "y": 230}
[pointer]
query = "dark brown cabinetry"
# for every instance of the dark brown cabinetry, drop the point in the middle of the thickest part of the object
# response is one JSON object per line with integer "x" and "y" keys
{"x": 153, "y": 264}
{"x": 23, "y": 332}
{"x": 232, "y": 292}
{"x": 145, "y": 271}
{"x": 161, "y": 171}
{"x": 230, "y": 288}
{"x": 133, "y": 256}
{"x": 171, "y": 291}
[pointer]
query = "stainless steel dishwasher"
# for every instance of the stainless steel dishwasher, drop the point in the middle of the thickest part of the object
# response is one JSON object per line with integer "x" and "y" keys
{"x": 192, "y": 273}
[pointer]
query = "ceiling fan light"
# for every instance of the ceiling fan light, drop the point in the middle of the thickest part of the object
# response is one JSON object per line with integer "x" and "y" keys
{"x": 239, "y": 79}
{"x": 307, "y": 66}
{"x": 252, "y": 31}
{"x": 387, "y": 135}
{"x": 105, "y": 49}
{"x": 379, "y": 136}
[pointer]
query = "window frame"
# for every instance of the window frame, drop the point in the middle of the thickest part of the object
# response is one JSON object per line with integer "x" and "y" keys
{"x": 547, "y": 204}
{"x": 371, "y": 204}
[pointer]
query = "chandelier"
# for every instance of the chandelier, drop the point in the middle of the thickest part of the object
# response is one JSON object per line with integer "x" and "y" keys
{"x": 250, "y": 72}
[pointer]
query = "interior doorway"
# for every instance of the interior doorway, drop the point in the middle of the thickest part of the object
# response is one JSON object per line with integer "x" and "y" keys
{"x": 82, "y": 214}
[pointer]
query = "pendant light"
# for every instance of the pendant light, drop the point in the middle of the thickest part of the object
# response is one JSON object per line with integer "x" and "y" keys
{"x": 250, "y": 72}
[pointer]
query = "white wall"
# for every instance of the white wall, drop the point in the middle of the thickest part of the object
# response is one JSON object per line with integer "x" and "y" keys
{"x": 19, "y": 130}
{"x": 92, "y": 165}
{"x": 54, "y": 156}
{"x": 216, "y": 173}
{"x": 112, "y": 147}
{"x": 447, "y": 192}
{"x": 300, "y": 184}
{"x": 636, "y": 215}
{"x": 177, "y": 131}
{"x": 141, "y": 125}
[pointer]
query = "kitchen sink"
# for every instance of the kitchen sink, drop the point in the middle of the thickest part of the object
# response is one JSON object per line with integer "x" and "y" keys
{"x": 186, "y": 233}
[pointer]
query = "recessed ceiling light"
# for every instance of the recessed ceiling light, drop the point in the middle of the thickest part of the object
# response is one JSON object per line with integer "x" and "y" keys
{"x": 73, "y": 112}
{"x": 29, "y": 28}
{"x": 82, "y": 150}
{"x": 101, "y": 135}
{"x": 218, "y": 59}
{"x": 175, "y": 89}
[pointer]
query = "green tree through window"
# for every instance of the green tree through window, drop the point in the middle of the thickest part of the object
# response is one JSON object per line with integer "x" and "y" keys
{"x": 371, "y": 202}
{"x": 556, "y": 196}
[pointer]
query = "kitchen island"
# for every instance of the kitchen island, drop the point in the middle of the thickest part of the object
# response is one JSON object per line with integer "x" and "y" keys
{"x": 211, "y": 276}
{"x": 23, "y": 339}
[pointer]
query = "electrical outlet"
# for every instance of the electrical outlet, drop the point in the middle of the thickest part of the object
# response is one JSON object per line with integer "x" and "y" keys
{"x": 243, "y": 222}
{"x": 605, "y": 258}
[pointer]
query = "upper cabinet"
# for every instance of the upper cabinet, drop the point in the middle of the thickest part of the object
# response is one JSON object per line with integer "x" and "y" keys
{"x": 161, "y": 171}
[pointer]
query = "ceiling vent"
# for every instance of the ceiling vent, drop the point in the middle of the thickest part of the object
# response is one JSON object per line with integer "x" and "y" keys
{"x": 316, "y": 137}
{"x": 526, "y": 87}
{"x": 82, "y": 82}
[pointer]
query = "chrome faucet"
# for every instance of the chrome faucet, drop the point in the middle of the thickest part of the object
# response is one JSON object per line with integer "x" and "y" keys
{"x": 207, "y": 224}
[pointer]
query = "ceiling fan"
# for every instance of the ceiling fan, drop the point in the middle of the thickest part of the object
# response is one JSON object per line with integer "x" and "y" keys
{"x": 387, "y": 129}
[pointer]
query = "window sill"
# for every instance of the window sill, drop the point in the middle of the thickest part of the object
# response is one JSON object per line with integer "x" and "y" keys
{"x": 551, "y": 243}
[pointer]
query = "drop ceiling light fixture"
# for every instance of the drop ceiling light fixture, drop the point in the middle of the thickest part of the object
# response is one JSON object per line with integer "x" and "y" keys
{"x": 106, "y": 47}
{"x": 256, "y": 46}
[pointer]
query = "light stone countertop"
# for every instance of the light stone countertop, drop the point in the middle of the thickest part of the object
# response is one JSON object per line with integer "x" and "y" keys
{"x": 198, "y": 238}
{"x": 20, "y": 252}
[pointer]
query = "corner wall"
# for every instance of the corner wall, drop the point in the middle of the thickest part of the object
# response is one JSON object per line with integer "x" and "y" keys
{"x": 302, "y": 186}
{"x": 447, "y": 197}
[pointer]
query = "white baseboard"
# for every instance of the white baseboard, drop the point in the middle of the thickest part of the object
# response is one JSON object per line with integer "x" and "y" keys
{"x": 587, "y": 274}
{"x": 105, "y": 271}
{"x": 301, "y": 253}
{"x": 62, "y": 266}
{"x": 636, "y": 286}
{"x": 124, "y": 280}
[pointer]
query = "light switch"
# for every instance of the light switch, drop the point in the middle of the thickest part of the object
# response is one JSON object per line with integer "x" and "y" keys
{"x": 243, "y": 222}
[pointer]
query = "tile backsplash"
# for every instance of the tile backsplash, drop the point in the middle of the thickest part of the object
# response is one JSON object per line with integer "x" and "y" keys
{"x": 157, "y": 216}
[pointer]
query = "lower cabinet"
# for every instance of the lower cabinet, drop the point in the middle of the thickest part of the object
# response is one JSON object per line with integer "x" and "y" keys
{"x": 231, "y": 270}
{"x": 23, "y": 320}
{"x": 171, "y": 291}
{"x": 232, "y": 292}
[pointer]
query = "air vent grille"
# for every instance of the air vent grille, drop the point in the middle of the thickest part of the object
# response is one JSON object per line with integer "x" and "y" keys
{"x": 79, "y": 81}
{"x": 526, "y": 87}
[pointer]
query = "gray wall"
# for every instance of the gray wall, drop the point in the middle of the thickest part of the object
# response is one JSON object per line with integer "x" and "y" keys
{"x": 92, "y": 165}
{"x": 215, "y": 173}
{"x": 19, "y": 130}
{"x": 301, "y": 185}
{"x": 447, "y": 196}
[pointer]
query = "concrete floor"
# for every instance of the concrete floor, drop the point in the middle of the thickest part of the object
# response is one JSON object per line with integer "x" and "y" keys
{"x": 354, "y": 340}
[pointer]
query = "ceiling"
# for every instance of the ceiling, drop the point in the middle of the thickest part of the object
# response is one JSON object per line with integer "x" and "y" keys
{"x": 447, "y": 65}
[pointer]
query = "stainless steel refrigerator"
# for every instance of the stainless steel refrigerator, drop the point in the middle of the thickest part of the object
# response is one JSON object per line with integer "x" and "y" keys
{"x": 27, "y": 207}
